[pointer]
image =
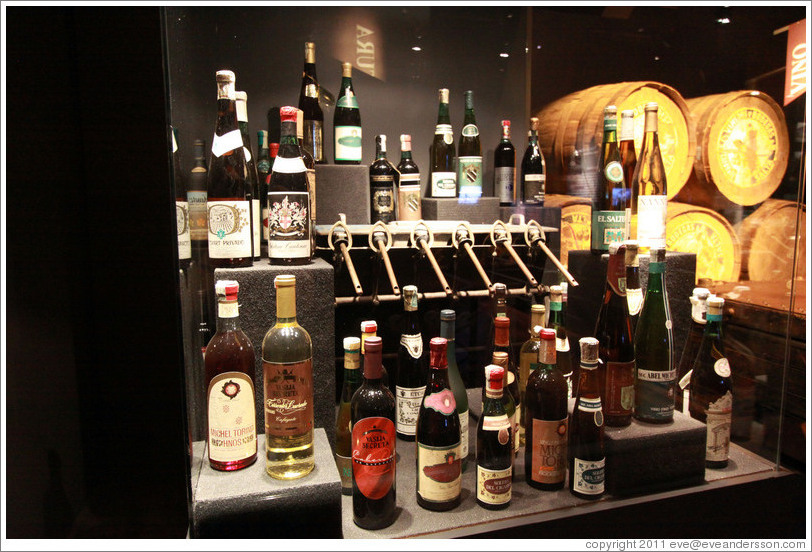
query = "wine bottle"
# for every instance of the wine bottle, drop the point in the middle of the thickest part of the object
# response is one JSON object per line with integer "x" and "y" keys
{"x": 447, "y": 330}
{"x": 373, "y": 445}
{"x": 263, "y": 158}
{"x": 347, "y": 122}
{"x": 628, "y": 158}
{"x": 711, "y": 400}
{"x": 273, "y": 152}
{"x": 649, "y": 189}
{"x": 498, "y": 308}
{"x": 310, "y": 165}
{"x": 502, "y": 344}
{"x": 545, "y": 456}
{"x": 309, "y": 104}
{"x": 614, "y": 332}
{"x": 609, "y": 219}
{"x": 634, "y": 293}
{"x": 563, "y": 358}
{"x": 529, "y": 357}
{"x": 494, "y": 453}
{"x": 654, "y": 375}
{"x": 504, "y": 168}
{"x": 534, "y": 174}
{"x": 196, "y": 196}
{"x": 288, "y": 199}
{"x": 699, "y": 309}
{"x": 409, "y": 207}
{"x": 228, "y": 201}
{"x": 500, "y": 358}
{"x": 439, "y": 466}
{"x": 383, "y": 179}
{"x": 369, "y": 328}
{"x": 251, "y": 165}
{"x": 181, "y": 207}
{"x": 411, "y": 375}
{"x": 469, "y": 157}
{"x": 352, "y": 381}
{"x": 231, "y": 418}
{"x": 588, "y": 458}
{"x": 443, "y": 178}
{"x": 287, "y": 363}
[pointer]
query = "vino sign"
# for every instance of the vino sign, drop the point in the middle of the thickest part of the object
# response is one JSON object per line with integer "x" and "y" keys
{"x": 359, "y": 40}
{"x": 797, "y": 62}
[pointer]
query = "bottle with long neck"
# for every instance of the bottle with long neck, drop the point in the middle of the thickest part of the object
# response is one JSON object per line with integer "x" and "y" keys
{"x": 264, "y": 164}
{"x": 447, "y": 330}
{"x": 373, "y": 445}
{"x": 228, "y": 200}
{"x": 614, "y": 332}
{"x": 411, "y": 374}
{"x": 469, "y": 158}
{"x": 609, "y": 219}
{"x": 711, "y": 400}
{"x": 309, "y": 104}
{"x": 498, "y": 308}
{"x": 196, "y": 196}
{"x": 352, "y": 381}
{"x": 655, "y": 374}
{"x": 287, "y": 362}
{"x": 563, "y": 358}
{"x": 310, "y": 165}
{"x": 231, "y": 419}
{"x": 545, "y": 455}
{"x": 649, "y": 189}
{"x": 588, "y": 457}
{"x": 347, "y": 122}
{"x": 634, "y": 293}
{"x": 699, "y": 309}
{"x": 383, "y": 179}
{"x": 181, "y": 207}
{"x": 439, "y": 450}
{"x": 528, "y": 359}
{"x": 628, "y": 158}
{"x": 504, "y": 168}
{"x": 500, "y": 358}
{"x": 443, "y": 178}
{"x": 251, "y": 165}
{"x": 409, "y": 207}
{"x": 494, "y": 454}
{"x": 502, "y": 344}
{"x": 369, "y": 328}
{"x": 534, "y": 174}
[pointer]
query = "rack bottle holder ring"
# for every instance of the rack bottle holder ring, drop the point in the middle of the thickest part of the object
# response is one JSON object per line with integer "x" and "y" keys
{"x": 455, "y": 240}
{"x": 339, "y": 225}
{"x": 533, "y": 232}
{"x": 379, "y": 227}
{"x": 500, "y": 234}
{"x": 424, "y": 228}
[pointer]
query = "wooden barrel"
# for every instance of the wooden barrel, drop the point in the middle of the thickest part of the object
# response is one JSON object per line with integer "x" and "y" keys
{"x": 742, "y": 149}
{"x": 571, "y": 132}
{"x": 576, "y": 222}
{"x": 768, "y": 241}
{"x": 694, "y": 229}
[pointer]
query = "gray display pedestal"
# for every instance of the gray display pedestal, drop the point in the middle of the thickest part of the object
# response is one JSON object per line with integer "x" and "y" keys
{"x": 484, "y": 211}
{"x": 342, "y": 189}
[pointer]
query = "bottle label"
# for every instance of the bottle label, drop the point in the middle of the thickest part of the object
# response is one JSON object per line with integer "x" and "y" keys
{"x": 634, "y": 299}
{"x": 534, "y": 185}
{"x": 446, "y": 131}
{"x": 312, "y": 139}
{"x": 655, "y": 392}
{"x": 594, "y": 406}
{"x": 256, "y": 218}
{"x": 667, "y": 376}
{"x": 344, "y": 465}
{"x": 719, "y": 418}
{"x": 613, "y": 172}
{"x": 504, "y": 181}
{"x": 348, "y": 101}
{"x": 549, "y": 446}
{"x": 439, "y": 472}
{"x": 493, "y": 486}
{"x": 311, "y": 91}
{"x": 264, "y": 215}
{"x": 442, "y": 402}
{"x": 651, "y": 220}
{"x": 184, "y": 236}
{"x": 383, "y": 200}
{"x": 228, "y": 309}
{"x": 443, "y": 184}
{"x": 373, "y": 456}
{"x": 247, "y": 153}
{"x": 469, "y": 175}
{"x": 470, "y": 130}
{"x": 288, "y": 165}
{"x": 562, "y": 344}
{"x": 229, "y": 225}
{"x": 226, "y": 143}
{"x": 288, "y": 225}
{"x": 464, "y": 433}
{"x": 231, "y": 417}
{"x": 722, "y": 368}
{"x": 619, "y": 388}
{"x": 607, "y": 227}
{"x": 409, "y": 207}
{"x": 413, "y": 344}
{"x": 311, "y": 187}
{"x": 348, "y": 143}
{"x": 500, "y": 424}
{"x": 197, "y": 215}
{"x": 588, "y": 476}
{"x": 407, "y": 405}
{"x": 616, "y": 274}
{"x": 288, "y": 398}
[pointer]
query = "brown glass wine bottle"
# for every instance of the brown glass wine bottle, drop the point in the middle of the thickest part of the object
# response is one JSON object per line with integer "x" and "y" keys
{"x": 494, "y": 452}
{"x": 588, "y": 457}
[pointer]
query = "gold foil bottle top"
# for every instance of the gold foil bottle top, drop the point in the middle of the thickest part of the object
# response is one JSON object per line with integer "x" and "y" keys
{"x": 632, "y": 257}
{"x": 534, "y": 123}
{"x": 500, "y": 358}
{"x": 589, "y": 350}
{"x": 346, "y": 69}
{"x": 410, "y": 298}
{"x": 556, "y": 294}
{"x": 310, "y": 52}
{"x": 285, "y": 285}
{"x": 284, "y": 280}
{"x": 715, "y": 305}
{"x": 444, "y": 95}
{"x": 537, "y": 313}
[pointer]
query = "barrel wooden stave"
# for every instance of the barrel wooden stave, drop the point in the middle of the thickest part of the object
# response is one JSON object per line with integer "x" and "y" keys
{"x": 768, "y": 241}
{"x": 576, "y": 222}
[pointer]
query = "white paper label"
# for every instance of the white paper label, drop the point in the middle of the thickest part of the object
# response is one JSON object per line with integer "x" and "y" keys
{"x": 634, "y": 298}
{"x": 184, "y": 235}
{"x": 464, "y": 432}
{"x": 722, "y": 368}
{"x": 656, "y": 376}
{"x": 719, "y": 418}
{"x": 225, "y": 143}
{"x": 229, "y": 229}
{"x": 256, "y": 218}
{"x": 348, "y": 141}
{"x": 289, "y": 165}
{"x": 407, "y": 405}
{"x": 504, "y": 180}
{"x": 651, "y": 218}
{"x": 231, "y": 417}
{"x": 443, "y": 184}
{"x": 588, "y": 476}
{"x": 247, "y": 153}
{"x": 493, "y": 486}
{"x": 413, "y": 344}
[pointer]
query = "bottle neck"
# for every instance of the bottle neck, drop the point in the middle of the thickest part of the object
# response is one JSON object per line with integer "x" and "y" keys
{"x": 505, "y": 134}
{"x": 502, "y": 337}
{"x": 491, "y": 393}
{"x": 228, "y": 315}
{"x": 286, "y": 305}
{"x": 469, "y": 118}
{"x": 346, "y": 83}
{"x": 380, "y": 151}
{"x": 226, "y": 116}
{"x": 713, "y": 327}
{"x": 547, "y": 354}
{"x": 364, "y": 337}
{"x": 626, "y": 128}
{"x": 655, "y": 278}
{"x": 412, "y": 322}
{"x": 288, "y": 134}
{"x": 447, "y": 330}
{"x": 532, "y": 137}
{"x": 609, "y": 134}
{"x": 442, "y": 115}
{"x": 405, "y": 154}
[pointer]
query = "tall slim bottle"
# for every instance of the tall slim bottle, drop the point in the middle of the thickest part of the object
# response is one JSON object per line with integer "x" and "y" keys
{"x": 588, "y": 457}
{"x": 529, "y": 356}
{"x": 439, "y": 450}
{"x": 655, "y": 374}
{"x": 699, "y": 310}
{"x": 649, "y": 189}
{"x": 251, "y": 165}
{"x": 545, "y": 455}
{"x": 502, "y": 344}
{"x": 469, "y": 156}
{"x": 231, "y": 420}
{"x": 628, "y": 158}
{"x": 634, "y": 293}
{"x": 309, "y": 104}
{"x": 443, "y": 178}
{"x": 494, "y": 453}
{"x": 196, "y": 196}
{"x": 373, "y": 446}
{"x": 228, "y": 201}
{"x": 347, "y": 122}
{"x": 614, "y": 332}
{"x": 310, "y": 165}
{"x": 351, "y": 382}
{"x": 563, "y": 358}
{"x": 711, "y": 387}
{"x": 264, "y": 164}
{"x": 409, "y": 207}
{"x": 181, "y": 207}
{"x": 534, "y": 174}
{"x": 504, "y": 168}
{"x": 383, "y": 180}
{"x": 447, "y": 330}
{"x": 287, "y": 363}
{"x": 411, "y": 375}
{"x": 609, "y": 219}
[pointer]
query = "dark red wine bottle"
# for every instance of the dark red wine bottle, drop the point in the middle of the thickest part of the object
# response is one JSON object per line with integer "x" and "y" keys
{"x": 494, "y": 451}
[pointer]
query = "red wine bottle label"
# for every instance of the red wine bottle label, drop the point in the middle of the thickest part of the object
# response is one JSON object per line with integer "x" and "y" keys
{"x": 229, "y": 229}
{"x": 184, "y": 236}
{"x": 616, "y": 274}
{"x": 442, "y": 402}
{"x": 226, "y": 143}
{"x": 409, "y": 207}
{"x": 588, "y": 476}
{"x": 493, "y": 486}
{"x": 373, "y": 456}
{"x": 288, "y": 225}
{"x": 264, "y": 215}
{"x": 619, "y": 388}
{"x": 288, "y": 397}
{"x": 231, "y": 417}
{"x": 348, "y": 143}
{"x": 534, "y": 185}
{"x": 439, "y": 472}
{"x": 407, "y": 405}
{"x": 383, "y": 195}
{"x": 719, "y": 418}
{"x": 549, "y": 451}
